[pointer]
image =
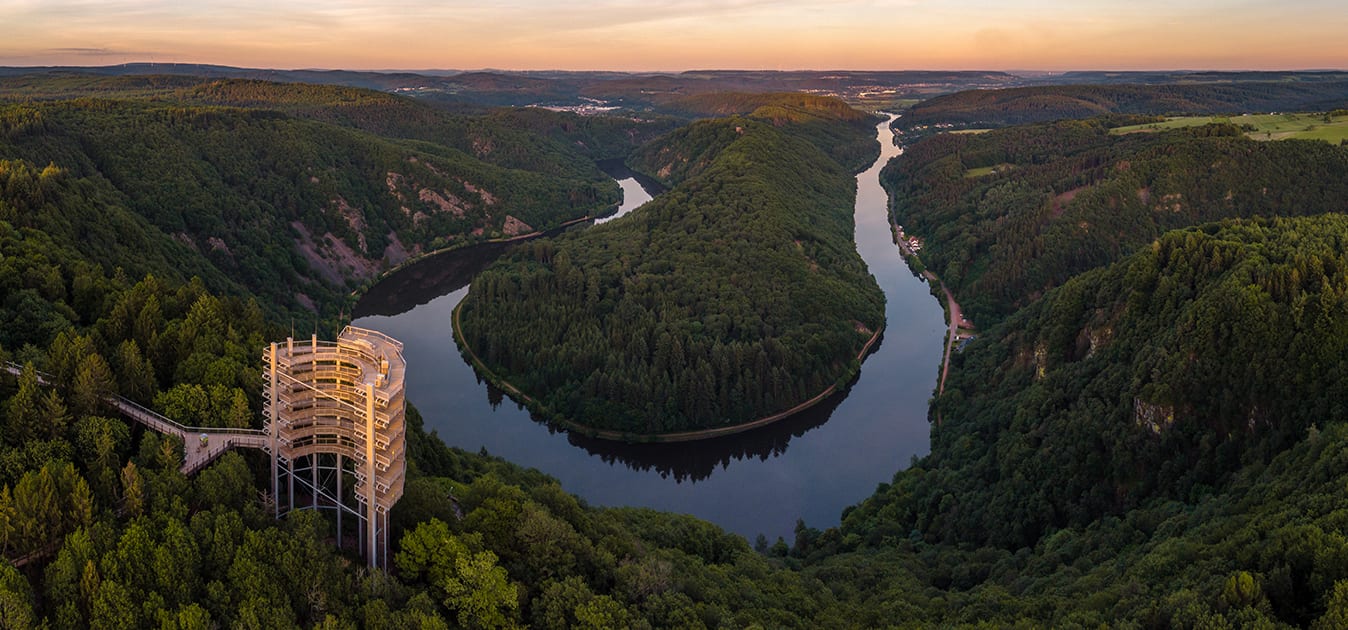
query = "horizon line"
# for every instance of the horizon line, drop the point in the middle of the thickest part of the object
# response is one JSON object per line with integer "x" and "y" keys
{"x": 1010, "y": 71}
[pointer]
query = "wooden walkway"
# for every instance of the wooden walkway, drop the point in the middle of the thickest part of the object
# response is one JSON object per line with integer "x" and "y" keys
{"x": 201, "y": 445}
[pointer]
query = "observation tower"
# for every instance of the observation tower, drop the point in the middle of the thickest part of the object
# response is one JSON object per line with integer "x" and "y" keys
{"x": 335, "y": 410}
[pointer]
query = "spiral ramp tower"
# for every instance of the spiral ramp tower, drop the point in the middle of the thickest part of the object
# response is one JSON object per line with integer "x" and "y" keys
{"x": 336, "y": 432}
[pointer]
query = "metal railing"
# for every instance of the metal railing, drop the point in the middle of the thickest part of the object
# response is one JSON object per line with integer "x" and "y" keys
{"x": 246, "y": 438}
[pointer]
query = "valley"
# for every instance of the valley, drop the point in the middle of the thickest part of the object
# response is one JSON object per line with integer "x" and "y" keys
{"x": 756, "y": 482}
{"x": 1147, "y": 430}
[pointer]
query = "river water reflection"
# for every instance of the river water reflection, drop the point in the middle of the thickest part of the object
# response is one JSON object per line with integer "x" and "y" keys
{"x": 809, "y": 466}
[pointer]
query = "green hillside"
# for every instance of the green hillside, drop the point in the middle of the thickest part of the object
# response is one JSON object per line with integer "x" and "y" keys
{"x": 1331, "y": 126}
{"x": 813, "y": 118}
{"x": 1142, "y": 444}
{"x": 203, "y": 204}
{"x": 161, "y": 182}
{"x": 1022, "y": 105}
{"x": 532, "y": 139}
{"x": 735, "y": 295}
{"x": 1008, "y": 214}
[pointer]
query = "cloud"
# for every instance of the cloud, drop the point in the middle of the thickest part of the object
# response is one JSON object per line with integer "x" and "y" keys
{"x": 75, "y": 56}
{"x": 93, "y": 52}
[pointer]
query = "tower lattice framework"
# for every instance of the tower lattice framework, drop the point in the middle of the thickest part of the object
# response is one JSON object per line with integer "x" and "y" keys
{"x": 336, "y": 433}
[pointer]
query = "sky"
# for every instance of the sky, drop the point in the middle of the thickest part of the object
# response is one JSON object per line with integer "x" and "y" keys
{"x": 637, "y": 35}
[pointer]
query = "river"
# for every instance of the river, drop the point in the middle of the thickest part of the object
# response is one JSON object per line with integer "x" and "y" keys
{"x": 637, "y": 188}
{"x": 810, "y": 466}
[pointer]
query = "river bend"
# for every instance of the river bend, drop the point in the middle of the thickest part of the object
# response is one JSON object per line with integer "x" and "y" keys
{"x": 810, "y": 466}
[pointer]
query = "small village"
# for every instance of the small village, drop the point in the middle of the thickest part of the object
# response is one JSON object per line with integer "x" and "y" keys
{"x": 910, "y": 245}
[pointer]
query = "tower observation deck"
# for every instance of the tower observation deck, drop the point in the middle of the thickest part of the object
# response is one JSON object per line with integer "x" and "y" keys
{"x": 335, "y": 409}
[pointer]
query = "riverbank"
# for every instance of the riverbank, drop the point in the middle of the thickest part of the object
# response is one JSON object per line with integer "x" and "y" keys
{"x": 625, "y": 436}
{"x": 412, "y": 260}
{"x": 959, "y": 327}
{"x": 357, "y": 295}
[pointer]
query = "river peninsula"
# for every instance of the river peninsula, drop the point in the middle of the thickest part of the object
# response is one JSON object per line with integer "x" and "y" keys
{"x": 734, "y": 297}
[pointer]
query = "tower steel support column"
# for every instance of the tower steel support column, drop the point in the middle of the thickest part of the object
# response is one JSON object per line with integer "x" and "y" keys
{"x": 275, "y": 447}
{"x": 371, "y": 499}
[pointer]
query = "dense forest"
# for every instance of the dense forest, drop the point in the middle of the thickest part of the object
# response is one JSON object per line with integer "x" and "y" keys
{"x": 99, "y": 529}
{"x": 1160, "y": 437}
{"x": 1155, "y": 441}
{"x": 109, "y": 534}
{"x": 1005, "y": 215}
{"x": 1222, "y": 95}
{"x": 531, "y": 139}
{"x": 196, "y": 179}
{"x": 735, "y": 295}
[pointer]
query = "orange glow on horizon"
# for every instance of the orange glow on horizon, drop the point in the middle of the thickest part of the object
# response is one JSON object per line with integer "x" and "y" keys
{"x": 673, "y": 35}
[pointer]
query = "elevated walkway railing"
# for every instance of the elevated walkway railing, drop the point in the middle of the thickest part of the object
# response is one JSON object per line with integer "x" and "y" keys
{"x": 218, "y": 439}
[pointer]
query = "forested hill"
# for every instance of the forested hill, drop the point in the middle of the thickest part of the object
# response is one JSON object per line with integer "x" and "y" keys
{"x": 845, "y": 134}
{"x": 1007, "y": 214}
{"x": 735, "y": 295}
{"x": 531, "y": 139}
{"x": 100, "y": 529}
{"x": 1020, "y": 105}
{"x": 1114, "y": 448}
{"x": 806, "y": 106}
{"x": 199, "y": 178}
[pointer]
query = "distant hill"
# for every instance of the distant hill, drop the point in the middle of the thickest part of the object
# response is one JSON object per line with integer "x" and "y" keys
{"x": 827, "y": 123}
{"x": 1157, "y": 77}
{"x": 488, "y": 137}
{"x": 490, "y": 88}
{"x": 742, "y": 103}
{"x": 349, "y": 78}
{"x": 657, "y": 90}
{"x": 1008, "y": 214}
{"x": 478, "y": 89}
{"x": 1020, "y": 105}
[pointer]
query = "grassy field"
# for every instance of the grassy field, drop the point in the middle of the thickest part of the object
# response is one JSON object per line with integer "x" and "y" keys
{"x": 881, "y": 102}
{"x": 1265, "y": 126}
{"x": 987, "y": 170}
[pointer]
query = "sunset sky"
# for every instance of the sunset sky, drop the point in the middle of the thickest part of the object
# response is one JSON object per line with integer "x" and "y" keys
{"x": 681, "y": 34}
